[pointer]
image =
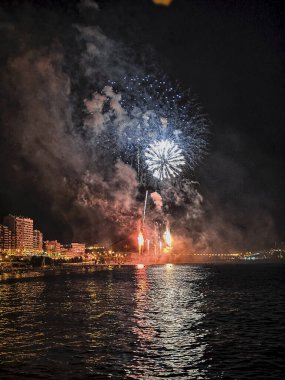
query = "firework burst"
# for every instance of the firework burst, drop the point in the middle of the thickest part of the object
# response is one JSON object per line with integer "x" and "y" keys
{"x": 168, "y": 127}
{"x": 164, "y": 159}
{"x": 156, "y": 128}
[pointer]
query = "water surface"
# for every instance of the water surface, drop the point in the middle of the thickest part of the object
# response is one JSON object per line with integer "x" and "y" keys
{"x": 180, "y": 321}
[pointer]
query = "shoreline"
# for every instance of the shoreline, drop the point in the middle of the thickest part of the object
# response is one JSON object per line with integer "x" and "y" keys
{"x": 27, "y": 272}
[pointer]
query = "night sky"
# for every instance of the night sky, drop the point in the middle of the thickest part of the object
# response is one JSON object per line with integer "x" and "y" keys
{"x": 229, "y": 53}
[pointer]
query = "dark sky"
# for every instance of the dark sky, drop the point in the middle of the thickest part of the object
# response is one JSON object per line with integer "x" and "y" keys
{"x": 230, "y": 53}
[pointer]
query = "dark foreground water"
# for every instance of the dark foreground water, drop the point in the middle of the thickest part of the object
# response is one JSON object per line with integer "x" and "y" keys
{"x": 183, "y": 322}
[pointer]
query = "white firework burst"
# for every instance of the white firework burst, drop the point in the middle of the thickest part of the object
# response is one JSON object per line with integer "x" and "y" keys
{"x": 164, "y": 159}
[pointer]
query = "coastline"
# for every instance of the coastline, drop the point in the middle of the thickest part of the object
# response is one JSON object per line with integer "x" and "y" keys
{"x": 33, "y": 272}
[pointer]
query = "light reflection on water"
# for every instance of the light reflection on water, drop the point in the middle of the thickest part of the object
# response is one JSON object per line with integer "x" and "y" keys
{"x": 180, "y": 321}
{"x": 166, "y": 323}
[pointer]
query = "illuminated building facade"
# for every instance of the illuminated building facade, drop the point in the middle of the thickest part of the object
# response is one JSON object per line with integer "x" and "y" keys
{"x": 74, "y": 250}
{"x": 52, "y": 247}
{"x": 5, "y": 238}
{"x": 77, "y": 248}
{"x": 22, "y": 232}
{"x": 38, "y": 240}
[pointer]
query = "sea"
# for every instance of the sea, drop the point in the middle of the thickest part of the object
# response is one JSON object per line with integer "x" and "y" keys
{"x": 204, "y": 321}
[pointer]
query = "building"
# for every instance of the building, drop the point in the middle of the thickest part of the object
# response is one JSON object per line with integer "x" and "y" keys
{"x": 74, "y": 250}
{"x": 77, "y": 249}
{"x": 22, "y": 232}
{"x": 5, "y": 238}
{"x": 38, "y": 241}
{"x": 52, "y": 247}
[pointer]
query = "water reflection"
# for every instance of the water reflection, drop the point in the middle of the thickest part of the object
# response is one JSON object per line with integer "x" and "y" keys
{"x": 108, "y": 322}
{"x": 135, "y": 323}
{"x": 19, "y": 313}
{"x": 167, "y": 321}
{"x": 186, "y": 322}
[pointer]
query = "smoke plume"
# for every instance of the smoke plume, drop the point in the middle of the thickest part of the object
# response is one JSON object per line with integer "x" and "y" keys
{"x": 157, "y": 200}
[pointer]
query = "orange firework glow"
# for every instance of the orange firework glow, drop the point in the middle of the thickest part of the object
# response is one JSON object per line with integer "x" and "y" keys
{"x": 162, "y": 2}
{"x": 167, "y": 237}
{"x": 140, "y": 241}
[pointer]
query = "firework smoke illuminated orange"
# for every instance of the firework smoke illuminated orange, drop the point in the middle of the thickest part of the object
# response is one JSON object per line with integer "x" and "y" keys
{"x": 162, "y": 2}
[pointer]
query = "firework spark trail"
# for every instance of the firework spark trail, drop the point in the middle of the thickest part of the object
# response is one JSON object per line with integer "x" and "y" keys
{"x": 145, "y": 203}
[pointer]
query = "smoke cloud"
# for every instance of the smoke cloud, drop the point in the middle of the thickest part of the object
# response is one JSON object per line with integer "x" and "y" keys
{"x": 52, "y": 123}
{"x": 157, "y": 200}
